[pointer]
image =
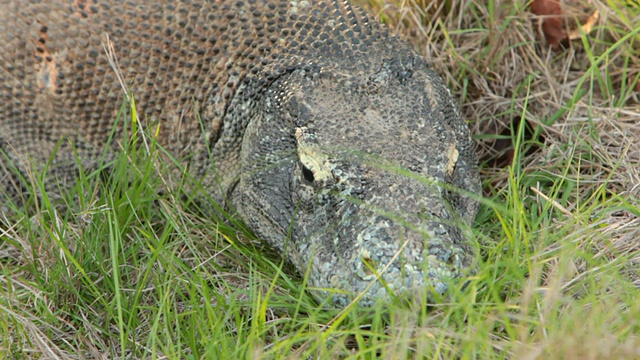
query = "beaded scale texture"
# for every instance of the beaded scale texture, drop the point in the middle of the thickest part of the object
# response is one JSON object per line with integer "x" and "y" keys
{"x": 329, "y": 137}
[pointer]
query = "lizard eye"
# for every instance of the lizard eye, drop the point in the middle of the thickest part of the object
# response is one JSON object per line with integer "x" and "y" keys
{"x": 307, "y": 174}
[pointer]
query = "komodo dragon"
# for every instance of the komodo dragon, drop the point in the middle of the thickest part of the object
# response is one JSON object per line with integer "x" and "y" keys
{"x": 305, "y": 110}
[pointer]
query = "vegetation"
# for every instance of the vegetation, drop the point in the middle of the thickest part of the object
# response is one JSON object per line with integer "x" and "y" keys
{"x": 123, "y": 272}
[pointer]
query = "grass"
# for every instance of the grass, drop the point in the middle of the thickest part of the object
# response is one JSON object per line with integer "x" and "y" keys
{"x": 127, "y": 273}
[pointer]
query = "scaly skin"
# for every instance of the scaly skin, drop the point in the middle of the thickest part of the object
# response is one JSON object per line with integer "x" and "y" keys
{"x": 330, "y": 138}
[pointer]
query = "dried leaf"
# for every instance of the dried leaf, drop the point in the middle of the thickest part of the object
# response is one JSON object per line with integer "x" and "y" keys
{"x": 551, "y": 11}
{"x": 562, "y": 21}
{"x": 586, "y": 27}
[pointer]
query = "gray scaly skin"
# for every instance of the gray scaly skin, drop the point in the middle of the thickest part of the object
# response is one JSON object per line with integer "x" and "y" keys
{"x": 309, "y": 109}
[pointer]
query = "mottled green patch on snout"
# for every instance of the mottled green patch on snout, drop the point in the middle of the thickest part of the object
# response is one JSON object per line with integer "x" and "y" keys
{"x": 370, "y": 249}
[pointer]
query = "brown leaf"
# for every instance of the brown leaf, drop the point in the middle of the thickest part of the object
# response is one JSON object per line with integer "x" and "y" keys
{"x": 551, "y": 11}
{"x": 563, "y": 21}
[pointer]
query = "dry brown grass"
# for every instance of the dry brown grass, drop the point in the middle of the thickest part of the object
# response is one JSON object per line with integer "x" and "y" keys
{"x": 497, "y": 64}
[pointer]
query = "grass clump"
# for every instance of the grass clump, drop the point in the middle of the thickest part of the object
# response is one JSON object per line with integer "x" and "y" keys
{"x": 122, "y": 271}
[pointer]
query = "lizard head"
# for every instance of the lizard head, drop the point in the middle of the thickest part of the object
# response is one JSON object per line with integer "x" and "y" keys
{"x": 362, "y": 180}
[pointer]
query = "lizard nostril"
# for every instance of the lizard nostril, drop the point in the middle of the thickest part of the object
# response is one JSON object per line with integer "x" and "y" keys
{"x": 451, "y": 260}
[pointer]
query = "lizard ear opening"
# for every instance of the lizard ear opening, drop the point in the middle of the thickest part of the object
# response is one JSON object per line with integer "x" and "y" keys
{"x": 307, "y": 174}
